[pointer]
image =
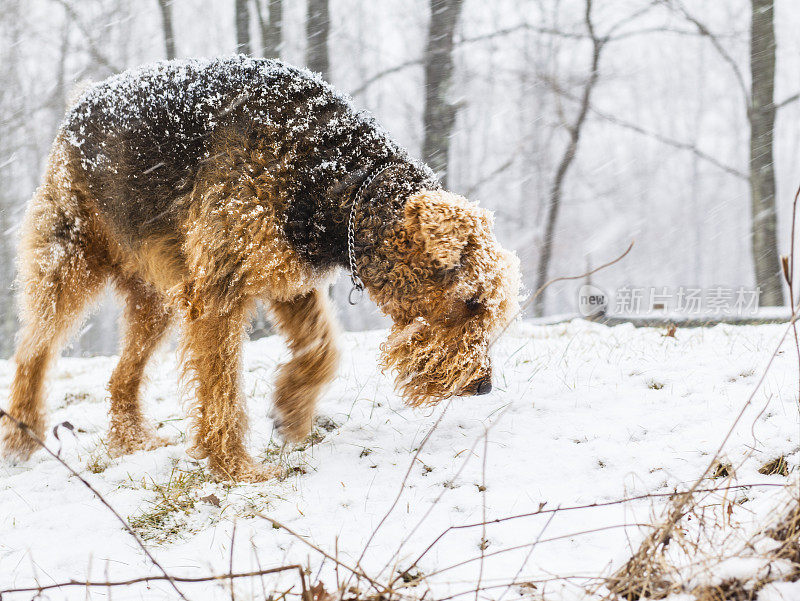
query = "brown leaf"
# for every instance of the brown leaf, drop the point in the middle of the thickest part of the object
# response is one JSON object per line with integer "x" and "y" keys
{"x": 318, "y": 593}
{"x": 212, "y": 499}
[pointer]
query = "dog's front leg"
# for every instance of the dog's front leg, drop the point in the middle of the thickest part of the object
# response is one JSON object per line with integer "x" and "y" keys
{"x": 212, "y": 349}
{"x": 310, "y": 332}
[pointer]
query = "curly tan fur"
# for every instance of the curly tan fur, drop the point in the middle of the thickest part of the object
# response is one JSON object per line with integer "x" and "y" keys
{"x": 146, "y": 321}
{"x": 307, "y": 323}
{"x": 60, "y": 272}
{"x": 449, "y": 287}
{"x": 231, "y": 252}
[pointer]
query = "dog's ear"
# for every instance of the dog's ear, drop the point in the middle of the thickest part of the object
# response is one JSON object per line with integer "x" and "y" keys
{"x": 443, "y": 224}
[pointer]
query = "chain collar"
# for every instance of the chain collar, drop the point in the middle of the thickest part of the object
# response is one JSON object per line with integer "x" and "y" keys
{"x": 357, "y": 291}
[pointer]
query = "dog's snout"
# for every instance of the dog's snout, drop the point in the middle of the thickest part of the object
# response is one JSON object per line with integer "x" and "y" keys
{"x": 484, "y": 386}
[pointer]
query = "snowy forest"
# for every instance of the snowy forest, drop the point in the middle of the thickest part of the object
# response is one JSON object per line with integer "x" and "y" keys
{"x": 634, "y": 436}
{"x": 583, "y": 125}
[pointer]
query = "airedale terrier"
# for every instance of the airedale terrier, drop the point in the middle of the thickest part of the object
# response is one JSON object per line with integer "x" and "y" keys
{"x": 199, "y": 187}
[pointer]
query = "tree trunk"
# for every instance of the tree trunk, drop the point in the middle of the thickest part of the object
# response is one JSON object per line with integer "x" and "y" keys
{"x": 317, "y": 29}
{"x": 166, "y": 24}
{"x": 554, "y": 199}
{"x": 762, "y": 169}
{"x": 271, "y": 28}
{"x": 439, "y": 115}
{"x": 243, "y": 27}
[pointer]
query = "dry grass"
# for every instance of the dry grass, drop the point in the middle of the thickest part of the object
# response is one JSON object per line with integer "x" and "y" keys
{"x": 722, "y": 469}
{"x": 651, "y": 574}
{"x": 98, "y": 463}
{"x": 172, "y": 514}
{"x": 732, "y": 589}
{"x": 787, "y": 533}
{"x": 776, "y": 466}
{"x": 175, "y": 499}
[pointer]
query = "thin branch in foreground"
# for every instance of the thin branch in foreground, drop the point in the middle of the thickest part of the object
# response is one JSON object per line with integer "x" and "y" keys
{"x": 358, "y": 572}
{"x": 788, "y": 274}
{"x": 484, "y": 541}
{"x": 230, "y": 564}
{"x": 635, "y": 578}
{"x": 32, "y": 435}
{"x": 537, "y": 542}
{"x": 552, "y": 511}
{"x": 547, "y": 284}
{"x": 184, "y": 579}
{"x": 404, "y": 481}
{"x": 469, "y": 454}
{"x": 523, "y": 583}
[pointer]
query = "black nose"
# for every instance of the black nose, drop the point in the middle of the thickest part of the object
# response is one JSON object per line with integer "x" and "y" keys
{"x": 484, "y": 386}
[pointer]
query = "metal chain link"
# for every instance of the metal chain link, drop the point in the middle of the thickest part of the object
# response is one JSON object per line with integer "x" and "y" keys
{"x": 358, "y": 284}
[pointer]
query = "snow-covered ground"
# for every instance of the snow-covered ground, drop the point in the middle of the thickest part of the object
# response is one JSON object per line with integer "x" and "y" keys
{"x": 580, "y": 414}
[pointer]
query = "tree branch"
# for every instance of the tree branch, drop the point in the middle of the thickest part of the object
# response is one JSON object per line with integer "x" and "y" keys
{"x": 787, "y": 101}
{"x": 714, "y": 39}
{"x": 94, "y": 51}
{"x": 491, "y": 175}
{"x": 680, "y": 145}
{"x": 525, "y": 27}
{"x": 670, "y": 142}
{"x": 386, "y": 72}
{"x": 568, "y": 157}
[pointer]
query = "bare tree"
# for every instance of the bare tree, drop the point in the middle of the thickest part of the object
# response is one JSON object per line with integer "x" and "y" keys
{"x": 574, "y": 129}
{"x": 760, "y": 105}
{"x": 271, "y": 27}
{"x": 166, "y": 24}
{"x": 762, "y": 168}
{"x": 243, "y": 27}
{"x": 317, "y": 30}
{"x": 13, "y": 113}
{"x": 439, "y": 114}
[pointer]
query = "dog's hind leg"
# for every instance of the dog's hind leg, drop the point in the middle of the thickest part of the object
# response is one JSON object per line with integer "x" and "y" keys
{"x": 308, "y": 325}
{"x": 146, "y": 319}
{"x": 61, "y": 271}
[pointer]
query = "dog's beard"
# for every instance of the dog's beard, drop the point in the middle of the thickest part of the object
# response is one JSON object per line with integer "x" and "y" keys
{"x": 433, "y": 363}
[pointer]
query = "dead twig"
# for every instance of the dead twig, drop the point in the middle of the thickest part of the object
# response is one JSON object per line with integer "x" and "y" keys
{"x": 484, "y": 542}
{"x": 353, "y": 571}
{"x": 639, "y": 576}
{"x": 230, "y": 563}
{"x": 787, "y": 262}
{"x": 554, "y": 510}
{"x": 185, "y": 579}
{"x": 403, "y": 483}
{"x": 32, "y": 435}
{"x": 537, "y": 542}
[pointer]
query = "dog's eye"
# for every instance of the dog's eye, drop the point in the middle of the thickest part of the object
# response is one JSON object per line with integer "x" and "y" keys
{"x": 473, "y": 304}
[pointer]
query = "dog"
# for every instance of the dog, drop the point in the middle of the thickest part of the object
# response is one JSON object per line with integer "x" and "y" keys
{"x": 200, "y": 187}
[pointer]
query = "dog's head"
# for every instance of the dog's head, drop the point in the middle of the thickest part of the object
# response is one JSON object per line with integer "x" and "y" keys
{"x": 449, "y": 288}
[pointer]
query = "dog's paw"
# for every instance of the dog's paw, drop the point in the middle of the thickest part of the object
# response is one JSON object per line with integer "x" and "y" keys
{"x": 124, "y": 441}
{"x": 295, "y": 430}
{"x": 15, "y": 443}
{"x": 245, "y": 471}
